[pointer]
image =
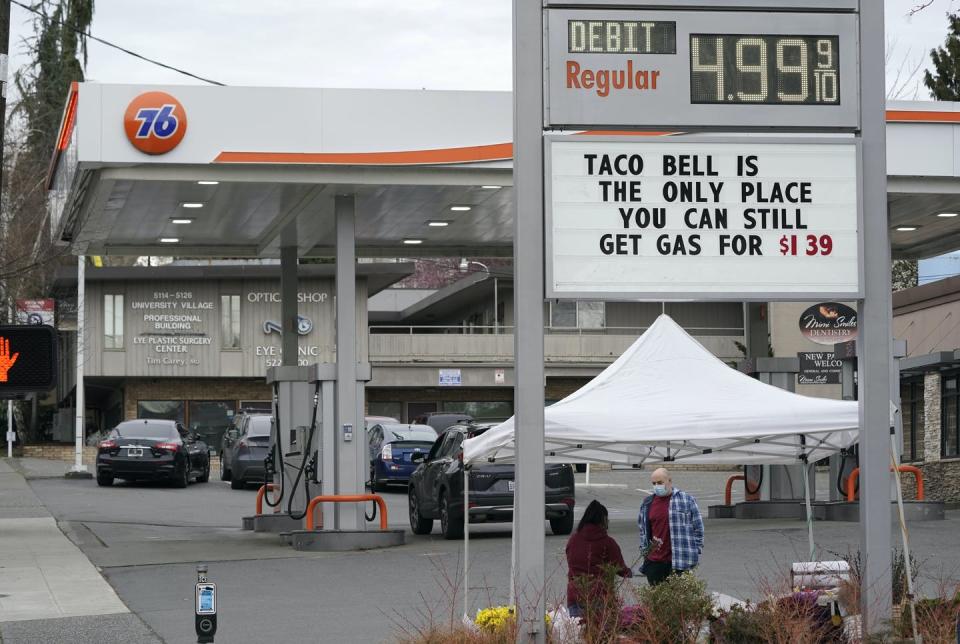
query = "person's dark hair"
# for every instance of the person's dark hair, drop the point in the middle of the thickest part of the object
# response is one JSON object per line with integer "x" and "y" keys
{"x": 595, "y": 514}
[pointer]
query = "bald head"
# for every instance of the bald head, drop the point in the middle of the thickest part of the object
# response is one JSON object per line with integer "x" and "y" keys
{"x": 661, "y": 476}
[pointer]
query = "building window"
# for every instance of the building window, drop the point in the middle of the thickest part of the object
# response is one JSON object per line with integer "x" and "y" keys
{"x": 113, "y": 321}
{"x": 256, "y": 406}
{"x": 950, "y": 431}
{"x": 390, "y": 409}
{"x": 582, "y": 315}
{"x": 209, "y": 419}
{"x": 911, "y": 406}
{"x": 165, "y": 409}
{"x": 493, "y": 411}
{"x": 230, "y": 321}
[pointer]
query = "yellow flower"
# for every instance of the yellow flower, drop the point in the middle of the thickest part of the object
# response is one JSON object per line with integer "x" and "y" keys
{"x": 496, "y": 618}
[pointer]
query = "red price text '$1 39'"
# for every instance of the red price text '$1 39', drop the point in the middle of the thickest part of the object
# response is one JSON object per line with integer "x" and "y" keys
{"x": 806, "y": 245}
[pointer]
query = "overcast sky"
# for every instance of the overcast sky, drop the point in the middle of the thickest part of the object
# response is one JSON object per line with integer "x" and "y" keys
{"x": 433, "y": 44}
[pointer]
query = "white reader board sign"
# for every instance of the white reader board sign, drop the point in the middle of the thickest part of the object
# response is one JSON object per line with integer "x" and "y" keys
{"x": 707, "y": 218}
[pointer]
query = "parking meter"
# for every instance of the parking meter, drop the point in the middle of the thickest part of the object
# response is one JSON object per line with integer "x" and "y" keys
{"x": 205, "y": 619}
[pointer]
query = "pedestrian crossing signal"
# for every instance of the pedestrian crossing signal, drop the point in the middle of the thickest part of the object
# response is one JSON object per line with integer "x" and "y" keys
{"x": 28, "y": 360}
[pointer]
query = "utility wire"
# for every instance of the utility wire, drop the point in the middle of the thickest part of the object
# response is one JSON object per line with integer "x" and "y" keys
{"x": 87, "y": 34}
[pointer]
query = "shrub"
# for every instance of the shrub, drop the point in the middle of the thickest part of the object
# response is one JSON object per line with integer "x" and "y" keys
{"x": 600, "y": 601}
{"x": 937, "y": 619}
{"x": 741, "y": 625}
{"x": 791, "y": 619}
{"x": 675, "y": 610}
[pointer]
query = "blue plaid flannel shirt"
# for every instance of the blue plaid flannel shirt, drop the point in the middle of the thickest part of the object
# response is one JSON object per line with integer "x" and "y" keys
{"x": 686, "y": 529}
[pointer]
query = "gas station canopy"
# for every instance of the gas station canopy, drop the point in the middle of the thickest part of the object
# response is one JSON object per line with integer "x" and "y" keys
{"x": 241, "y": 164}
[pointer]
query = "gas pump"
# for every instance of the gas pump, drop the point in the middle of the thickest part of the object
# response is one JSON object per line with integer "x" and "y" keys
{"x": 774, "y": 482}
{"x": 299, "y": 418}
{"x": 304, "y": 442}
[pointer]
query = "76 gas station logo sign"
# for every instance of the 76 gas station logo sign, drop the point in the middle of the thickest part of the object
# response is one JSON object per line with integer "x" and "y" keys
{"x": 155, "y": 122}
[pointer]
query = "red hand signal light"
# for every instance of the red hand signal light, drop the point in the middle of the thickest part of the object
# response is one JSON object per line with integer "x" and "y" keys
{"x": 6, "y": 360}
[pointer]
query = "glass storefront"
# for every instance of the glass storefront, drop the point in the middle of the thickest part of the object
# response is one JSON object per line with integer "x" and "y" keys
{"x": 208, "y": 418}
{"x": 166, "y": 409}
{"x": 482, "y": 411}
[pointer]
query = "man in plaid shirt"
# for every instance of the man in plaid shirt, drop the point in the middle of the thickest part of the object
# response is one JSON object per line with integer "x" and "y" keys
{"x": 671, "y": 530}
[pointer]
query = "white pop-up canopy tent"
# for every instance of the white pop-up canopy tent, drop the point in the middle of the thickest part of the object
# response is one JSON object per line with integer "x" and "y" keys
{"x": 667, "y": 398}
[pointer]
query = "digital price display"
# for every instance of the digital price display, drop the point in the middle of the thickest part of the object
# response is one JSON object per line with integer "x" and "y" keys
{"x": 765, "y": 69}
{"x": 621, "y": 37}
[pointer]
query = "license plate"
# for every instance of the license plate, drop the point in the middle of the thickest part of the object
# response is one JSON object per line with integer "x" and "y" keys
{"x": 134, "y": 451}
{"x": 511, "y": 486}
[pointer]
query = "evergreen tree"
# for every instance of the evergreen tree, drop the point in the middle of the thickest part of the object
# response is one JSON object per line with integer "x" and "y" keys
{"x": 904, "y": 274}
{"x": 27, "y": 256}
{"x": 944, "y": 84}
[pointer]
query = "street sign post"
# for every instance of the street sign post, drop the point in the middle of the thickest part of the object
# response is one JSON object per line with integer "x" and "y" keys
{"x": 631, "y": 217}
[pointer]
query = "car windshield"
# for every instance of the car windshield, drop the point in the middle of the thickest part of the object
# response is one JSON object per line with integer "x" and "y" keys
{"x": 418, "y": 433}
{"x": 146, "y": 430}
{"x": 259, "y": 426}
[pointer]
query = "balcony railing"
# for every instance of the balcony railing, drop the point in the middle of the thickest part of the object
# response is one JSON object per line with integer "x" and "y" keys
{"x": 432, "y": 343}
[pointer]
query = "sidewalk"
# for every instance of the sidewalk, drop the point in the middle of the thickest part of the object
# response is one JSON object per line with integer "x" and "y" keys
{"x": 43, "y": 576}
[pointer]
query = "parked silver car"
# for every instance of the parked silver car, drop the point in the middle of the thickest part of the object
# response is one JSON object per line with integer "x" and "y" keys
{"x": 244, "y": 448}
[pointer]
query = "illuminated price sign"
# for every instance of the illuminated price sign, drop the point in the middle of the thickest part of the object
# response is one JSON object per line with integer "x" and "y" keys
{"x": 702, "y": 218}
{"x": 28, "y": 360}
{"x": 657, "y": 69}
{"x": 777, "y": 70}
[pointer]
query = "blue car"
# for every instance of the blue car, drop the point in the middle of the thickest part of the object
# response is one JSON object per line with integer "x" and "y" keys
{"x": 392, "y": 446}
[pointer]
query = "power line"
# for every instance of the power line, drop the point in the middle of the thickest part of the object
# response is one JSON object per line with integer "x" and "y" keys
{"x": 86, "y": 34}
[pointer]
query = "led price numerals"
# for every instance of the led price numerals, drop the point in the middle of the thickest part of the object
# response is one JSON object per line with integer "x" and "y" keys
{"x": 809, "y": 245}
{"x": 764, "y": 69}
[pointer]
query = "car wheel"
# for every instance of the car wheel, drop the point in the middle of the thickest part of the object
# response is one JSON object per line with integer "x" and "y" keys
{"x": 224, "y": 471}
{"x": 562, "y": 525}
{"x": 203, "y": 478}
{"x": 418, "y": 524}
{"x": 181, "y": 477}
{"x": 450, "y": 525}
{"x": 237, "y": 483}
{"x": 104, "y": 480}
{"x": 375, "y": 484}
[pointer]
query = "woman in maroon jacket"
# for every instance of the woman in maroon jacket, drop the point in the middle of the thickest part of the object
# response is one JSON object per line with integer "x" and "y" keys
{"x": 590, "y": 551}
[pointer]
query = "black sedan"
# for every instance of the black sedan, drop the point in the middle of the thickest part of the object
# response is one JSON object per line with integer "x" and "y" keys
{"x": 436, "y": 489}
{"x": 151, "y": 450}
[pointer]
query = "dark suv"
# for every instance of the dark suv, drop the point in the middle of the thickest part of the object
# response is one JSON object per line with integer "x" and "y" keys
{"x": 436, "y": 489}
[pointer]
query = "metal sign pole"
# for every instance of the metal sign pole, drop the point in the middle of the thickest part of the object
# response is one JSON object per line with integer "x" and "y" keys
{"x": 528, "y": 302}
{"x": 78, "y": 466}
{"x": 875, "y": 345}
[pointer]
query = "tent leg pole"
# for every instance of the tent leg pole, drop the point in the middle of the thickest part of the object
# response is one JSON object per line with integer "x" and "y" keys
{"x": 513, "y": 558}
{"x": 806, "y": 495}
{"x": 587, "y": 480}
{"x": 466, "y": 547}
{"x": 903, "y": 532}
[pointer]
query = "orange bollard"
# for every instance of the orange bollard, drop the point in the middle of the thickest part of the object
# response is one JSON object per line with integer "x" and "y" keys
{"x": 263, "y": 490}
{"x": 728, "y": 492}
{"x": 345, "y": 498}
{"x": 910, "y": 469}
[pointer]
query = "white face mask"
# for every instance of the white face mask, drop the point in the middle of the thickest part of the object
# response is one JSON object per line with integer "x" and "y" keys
{"x": 660, "y": 489}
